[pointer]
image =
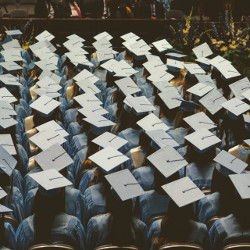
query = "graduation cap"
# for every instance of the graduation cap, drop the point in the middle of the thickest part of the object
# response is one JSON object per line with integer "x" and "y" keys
{"x": 141, "y": 105}
{"x": 93, "y": 110}
{"x": 202, "y": 50}
{"x": 229, "y": 71}
{"x": 206, "y": 79}
{"x": 102, "y": 35}
{"x": 46, "y": 65}
{"x": 155, "y": 65}
{"x": 125, "y": 184}
{"x": 86, "y": 75}
{"x": 52, "y": 125}
{"x": 2, "y": 193}
{"x": 104, "y": 54}
{"x": 246, "y": 94}
{"x": 183, "y": 191}
{"x": 88, "y": 99}
{"x": 45, "y": 35}
{"x": 50, "y": 179}
{"x": 123, "y": 69}
{"x": 75, "y": 37}
{"x": 199, "y": 120}
{"x": 194, "y": 69}
{"x": 212, "y": 101}
{"x": 189, "y": 106}
{"x": 14, "y": 33}
{"x": 171, "y": 98}
{"x": 88, "y": 87}
{"x": 7, "y": 143}
{"x": 102, "y": 44}
{"x": 108, "y": 158}
{"x": 200, "y": 89}
{"x": 7, "y": 161}
{"x": 239, "y": 87}
{"x": 162, "y": 45}
{"x": 48, "y": 82}
{"x": 159, "y": 76}
{"x": 152, "y": 122}
{"x": 73, "y": 43}
{"x": 42, "y": 44}
{"x": 110, "y": 140}
{"x": 127, "y": 86}
{"x": 109, "y": 65}
{"x": 242, "y": 184}
{"x": 99, "y": 121}
{"x": 219, "y": 62}
{"x": 6, "y": 96}
{"x": 235, "y": 106}
{"x": 12, "y": 55}
{"x": 247, "y": 121}
{"x": 175, "y": 56}
{"x": 45, "y": 139}
{"x": 54, "y": 157}
{"x": 45, "y": 105}
{"x": 50, "y": 92}
{"x": 4, "y": 209}
{"x": 161, "y": 138}
{"x": 202, "y": 139}
{"x": 247, "y": 142}
{"x": 51, "y": 75}
{"x": 130, "y": 36}
{"x": 10, "y": 66}
{"x": 162, "y": 86}
{"x": 7, "y": 121}
{"x": 12, "y": 45}
{"x": 9, "y": 79}
{"x": 167, "y": 160}
{"x": 229, "y": 163}
{"x": 174, "y": 65}
{"x": 6, "y": 108}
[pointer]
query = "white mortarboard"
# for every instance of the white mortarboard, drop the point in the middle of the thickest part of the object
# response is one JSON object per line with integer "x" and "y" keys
{"x": 46, "y": 65}
{"x": 2, "y": 193}
{"x": 200, "y": 89}
{"x": 155, "y": 65}
{"x": 54, "y": 157}
{"x": 202, "y": 139}
{"x": 48, "y": 82}
{"x": 139, "y": 48}
{"x": 14, "y": 33}
{"x": 103, "y": 35}
{"x": 167, "y": 160}
{"x": 45, "y": 104}
{"x": 171, "y": 98}
{"x": 183, "y": 191}
{"x": 42, "y": 44}
{"x": 239, "y": 87}
{"x": 175, "y": 63}
{"x": 110, "y": 140}
{"x": 152, "y": 122}
{"x": 93, "y": 110}
{"x": 141, "y": 104}
{"x": 75, "y": 37}
{"x": 160, "y": 76}
{"x": 229, "y": 71}
{"x": 203, "y": 60}
{"x": 50, "y": 92}
{"x": 87, "y": 99}
{"x": 127, "y": 86}
{"x": 52, "y": 125}
{"x": 123, "y": 69}
{"x": 85, "y": 74}
{"x": 162, "y": 45}
{"x": 247, "y": 141}
{"x": 10, "y": 66}
{"x": 246, "y": 94}
{"x": 5, "y": 95}
{"x": 12, "y": 45}
{"x": 7, "y": 143}
{"x": 163, "y": 86}
{"x": 78, "y": 57}
{"x": 246, "y": 118}
{"x": 47, "y": 138}
{"x": 242, "y": 184}
{"x": 53, "y": 76}
{"x": 219, "y": 62}
{"x": 130, "y": 36}
{"x": 4, "y": 209}
{"x": 236, "y": 106}
{"x": 230, "y": 162}
{"x": 175, "y": 55}
{"x": 6, "y": 108}
{"x": 99, "y": 121}
{"x": 162, "y": 138}
{"x": 73, "y": 43}
{"x": 125, "y": 184}
{"x": 206, "y": 79}
{"x": 9, "y": 79}
{"x": 202, "y": 50}
{"x": 108, "y": 158}
{"x": 212, "y": 101}
{"x": 88, "y": 87}
{"x": 6, "y": 121}
{"x": 102, "y": 44}
{"x": 109, "y": 65}
{"x": 194, "y": 69}
{"x": 199, "y": 120}
{"x": 7, "y": 161}
{"x": 50, "y": 179}
{"x": 104, "y": 54}
{"x": 45, "y": 35}
{"x": 46, "y": 55}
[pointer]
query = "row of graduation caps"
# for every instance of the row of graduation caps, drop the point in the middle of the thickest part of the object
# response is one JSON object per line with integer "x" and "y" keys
{"x": 167, "y": 160}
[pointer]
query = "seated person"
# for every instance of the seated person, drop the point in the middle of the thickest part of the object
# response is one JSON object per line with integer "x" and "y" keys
{"x": 46, "y": 9}
{"x": 70, "y": 8}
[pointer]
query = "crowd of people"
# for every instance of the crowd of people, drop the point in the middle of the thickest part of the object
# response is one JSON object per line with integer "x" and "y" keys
{"x": 134, "y": 147}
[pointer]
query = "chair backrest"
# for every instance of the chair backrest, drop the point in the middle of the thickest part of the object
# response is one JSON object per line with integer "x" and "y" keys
{"x": 113, "y": 247}
{"x": 153, "y": 219}
{"x": 180, "y": 246}
{"x": 7, "y": 2}
{"x": 211, "y": 221}
{"x": 177, "y": 14}
{"x": 12, "y": 221}
{"x": 51, "y": 246}
{"x": 19, "y": 13}
{"x": 239, "y": 246}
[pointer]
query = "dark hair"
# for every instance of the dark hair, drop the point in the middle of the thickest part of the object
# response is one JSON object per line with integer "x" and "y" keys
{"x": 175, "y": 226}
{"x": 3, "y": 238}
{"x": 45, "y": 210}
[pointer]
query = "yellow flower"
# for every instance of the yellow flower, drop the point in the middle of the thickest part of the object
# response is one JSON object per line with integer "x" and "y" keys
{"x": 213, "y": 41}
{"x": 228, "y": 33}
{"x": 197, "y": 41}
{"x": 231, "y": 46}
{"x": 224, "y": 48}
{"x": 185, "y": 31}
{"x": 233, "y": 42}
